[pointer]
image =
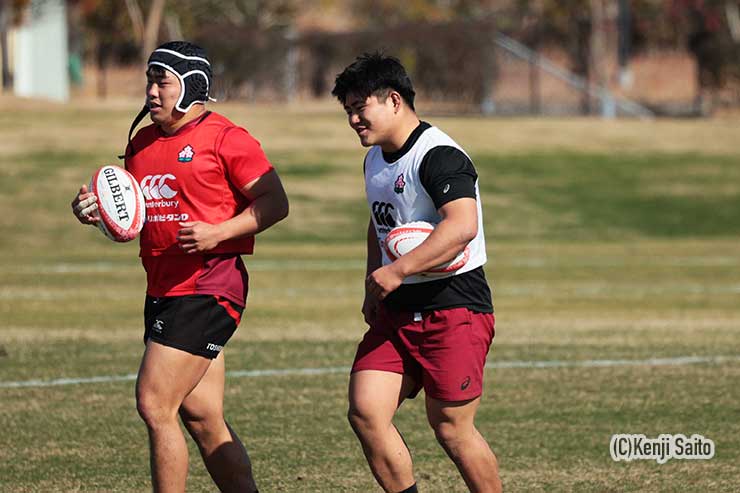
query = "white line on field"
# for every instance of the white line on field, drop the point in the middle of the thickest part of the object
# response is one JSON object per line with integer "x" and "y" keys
{"x": 354, "y": 264}
{"x": 524, "y": 288}
{"x": 591, "y": 363}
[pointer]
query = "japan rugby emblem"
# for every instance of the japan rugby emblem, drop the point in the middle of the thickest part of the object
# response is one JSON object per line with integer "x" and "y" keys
{"x": 120, "y": 203}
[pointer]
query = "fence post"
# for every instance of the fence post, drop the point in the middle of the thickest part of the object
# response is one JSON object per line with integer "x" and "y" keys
{"x": 291, "y": 64}
{"x": 488, "y": 70}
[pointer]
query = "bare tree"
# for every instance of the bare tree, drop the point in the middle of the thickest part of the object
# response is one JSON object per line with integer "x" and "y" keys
{"x": 146, "y": 31}
{"x": 4, "y": 21}
{"x": 11, "y": 12}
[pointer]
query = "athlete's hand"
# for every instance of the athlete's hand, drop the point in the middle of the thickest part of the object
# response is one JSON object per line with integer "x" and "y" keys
{"x": 370, "y": 309}
{"x": 383, "y": 281}
{"x": 198, "y": 237}
{"x": 84, "y": 206}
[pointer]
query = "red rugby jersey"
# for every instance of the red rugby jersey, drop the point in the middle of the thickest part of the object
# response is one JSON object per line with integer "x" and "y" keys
{"x": 194, "y": 175}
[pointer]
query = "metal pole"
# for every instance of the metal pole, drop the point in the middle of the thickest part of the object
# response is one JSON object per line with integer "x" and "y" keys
{"x": 4, "y": 26}
{"x": 291, "y": 65}
{"x": 535, "y": 86}
{"x": 624, "y": 23}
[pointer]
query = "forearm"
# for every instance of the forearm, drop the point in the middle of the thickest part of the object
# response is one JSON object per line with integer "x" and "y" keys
{"x": 262, "y": 213}
{"x": 444, "y": 243}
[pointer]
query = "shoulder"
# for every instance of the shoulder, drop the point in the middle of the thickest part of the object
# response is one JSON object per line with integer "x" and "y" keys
{"x": 372, "y": 156}
{"x": 443, "y": 162}
{"x": 230, "y": 136}
{"x": 146, "y": 134}
{"x": 441, "y": 151}
{"x": 445, "y": 154}
{"x": 227, "y": 133}
{"x": 218, "y": 125}
{"x": 218, "y": 120}
{"x": 373, "y": 153}
{"x": 234, "y": 144}
{"x": 434, "y": 137}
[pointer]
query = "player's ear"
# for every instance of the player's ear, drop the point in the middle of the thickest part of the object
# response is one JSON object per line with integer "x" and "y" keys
{"x": 397, "y": 101}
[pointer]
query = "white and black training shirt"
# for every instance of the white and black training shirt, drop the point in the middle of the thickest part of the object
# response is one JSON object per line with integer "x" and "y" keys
{"x": 411, "y": 184}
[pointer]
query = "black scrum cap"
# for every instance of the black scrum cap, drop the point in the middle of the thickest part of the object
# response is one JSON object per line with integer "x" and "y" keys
{"x": 189, "y": 63}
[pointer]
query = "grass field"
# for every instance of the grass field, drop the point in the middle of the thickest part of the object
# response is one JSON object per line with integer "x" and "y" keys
{"x": 614, "y": 253}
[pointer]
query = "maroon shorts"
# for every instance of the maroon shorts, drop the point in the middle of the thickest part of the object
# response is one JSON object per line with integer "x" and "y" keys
{"x": 444, "y": 351}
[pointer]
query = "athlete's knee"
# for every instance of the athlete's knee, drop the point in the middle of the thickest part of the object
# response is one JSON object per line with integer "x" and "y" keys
{"x": 364, "y": 420}
{"x": 196, "y": 425}
{"x": 451, "y": 434}
{"x": 152, "y": 409}
{"x": 202, "y": 423}
{"x": 445, "y": 431}
{"x": 356, "y": 419}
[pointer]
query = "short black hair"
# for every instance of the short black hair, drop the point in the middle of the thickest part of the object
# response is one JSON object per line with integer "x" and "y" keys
{"x": 374, "y": 74}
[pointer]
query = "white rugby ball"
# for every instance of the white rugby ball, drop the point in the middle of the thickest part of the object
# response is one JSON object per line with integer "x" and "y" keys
{"x": 404, "y": 238}
{"x": 120, "y": 203}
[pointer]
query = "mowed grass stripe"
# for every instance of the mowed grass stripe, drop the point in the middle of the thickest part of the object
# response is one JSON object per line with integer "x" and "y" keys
{"x": 594, "y": 255}
{"x": 678, "y": 361}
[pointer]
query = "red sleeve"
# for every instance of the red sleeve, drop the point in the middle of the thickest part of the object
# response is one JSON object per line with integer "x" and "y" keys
{"x": 242, "y": 156}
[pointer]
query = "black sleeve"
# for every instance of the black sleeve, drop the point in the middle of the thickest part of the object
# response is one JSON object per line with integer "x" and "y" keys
{"x": 447, "y": 174}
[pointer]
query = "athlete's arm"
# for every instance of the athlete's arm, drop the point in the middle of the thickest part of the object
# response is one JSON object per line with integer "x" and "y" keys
{"x": 459, "y": 225}
{"x": 374, "y": 260}
{"x": 268, "y": 205}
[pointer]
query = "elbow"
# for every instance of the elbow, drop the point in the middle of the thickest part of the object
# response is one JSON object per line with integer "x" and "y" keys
{"x": 468, "y": 233}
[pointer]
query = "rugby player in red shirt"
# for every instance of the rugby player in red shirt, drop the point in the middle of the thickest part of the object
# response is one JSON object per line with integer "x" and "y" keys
{"x": 209, "y": 189}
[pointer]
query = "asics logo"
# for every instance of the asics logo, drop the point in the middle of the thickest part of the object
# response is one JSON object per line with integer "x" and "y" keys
{"x": 156, "y": 187}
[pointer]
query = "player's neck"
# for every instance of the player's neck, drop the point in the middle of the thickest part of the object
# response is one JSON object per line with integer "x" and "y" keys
{"x": 401, "y": 133}
{"x": 171, "y": 127}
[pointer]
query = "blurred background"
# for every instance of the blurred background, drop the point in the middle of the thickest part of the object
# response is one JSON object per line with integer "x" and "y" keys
{"x": 495, "y": 57}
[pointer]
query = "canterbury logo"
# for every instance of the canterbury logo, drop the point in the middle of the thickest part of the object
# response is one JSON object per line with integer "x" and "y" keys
{"x": 155, "y": 187}
{"x": 383, "y": 213}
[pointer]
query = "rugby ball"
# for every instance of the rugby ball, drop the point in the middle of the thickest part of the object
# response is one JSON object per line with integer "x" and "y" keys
{"x": 120, "y": 203}
{"x": 402, "y": 239}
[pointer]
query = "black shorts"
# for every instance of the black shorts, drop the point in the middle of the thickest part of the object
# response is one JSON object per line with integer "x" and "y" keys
{"x": 199, "y": 324}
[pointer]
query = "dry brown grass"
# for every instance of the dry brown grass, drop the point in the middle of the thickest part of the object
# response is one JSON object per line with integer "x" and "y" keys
{"x": 322, "y": 126}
